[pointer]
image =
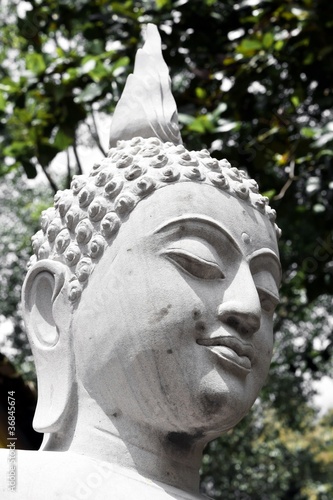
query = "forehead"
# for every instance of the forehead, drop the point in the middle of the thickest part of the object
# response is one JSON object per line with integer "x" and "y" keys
{"x": 206, "y": 206}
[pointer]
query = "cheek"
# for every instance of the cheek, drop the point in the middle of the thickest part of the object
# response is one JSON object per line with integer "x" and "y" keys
{"x": 158, "y": 297}
{"x": 263, "y": 343}
{"x": 267, "y": 327}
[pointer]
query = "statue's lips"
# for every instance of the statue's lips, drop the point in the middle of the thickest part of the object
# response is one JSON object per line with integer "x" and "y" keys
{"x": 231, "y": 349}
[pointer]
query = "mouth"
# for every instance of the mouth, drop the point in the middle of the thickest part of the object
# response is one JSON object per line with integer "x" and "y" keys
{"x": 231, "y": 350}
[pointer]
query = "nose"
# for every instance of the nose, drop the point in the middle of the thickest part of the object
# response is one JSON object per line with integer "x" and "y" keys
{"x": 241, "y": 309}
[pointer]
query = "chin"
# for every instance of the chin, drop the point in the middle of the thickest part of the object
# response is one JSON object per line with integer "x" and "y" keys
{"x": 222, "y": 406}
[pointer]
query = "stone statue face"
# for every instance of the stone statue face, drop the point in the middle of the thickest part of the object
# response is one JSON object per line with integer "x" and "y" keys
{"x": 175, "y": 327}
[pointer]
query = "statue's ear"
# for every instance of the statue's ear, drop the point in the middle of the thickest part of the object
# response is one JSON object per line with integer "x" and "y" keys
{"x": 48, "y": 314}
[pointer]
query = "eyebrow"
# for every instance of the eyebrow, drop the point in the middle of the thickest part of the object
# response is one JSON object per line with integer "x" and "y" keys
{"x": 203, "y": 221}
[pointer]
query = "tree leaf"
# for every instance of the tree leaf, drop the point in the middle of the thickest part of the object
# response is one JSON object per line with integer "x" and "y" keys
{"x": 268, "y": 40}
{"x": 162, "y": 3}
{"x": 200, "y": 93}
{"x": 62, "y": 141}
{"x": 2, "y": 102}
{"x": 35, "y": 63}
{"x": 46, "y": 153}
{"x": 91, "y": 91}
{"x": 308, "y": 132}
{"x": 29, "y": 168}
{"x": 248, "y": 47}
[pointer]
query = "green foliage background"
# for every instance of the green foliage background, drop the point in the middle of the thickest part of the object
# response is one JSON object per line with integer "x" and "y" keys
{"x": 253, "y": 83}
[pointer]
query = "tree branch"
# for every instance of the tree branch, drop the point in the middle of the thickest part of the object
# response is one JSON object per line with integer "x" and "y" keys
{"x": 53, "y": 185}
{"x": 288, "y": 183}
{"x": 69, "y": 176}
{"x": 79, "y": 167}
{"x": 94, "y": 133}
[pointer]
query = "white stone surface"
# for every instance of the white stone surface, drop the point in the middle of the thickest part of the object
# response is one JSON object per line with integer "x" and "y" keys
{"x": 67, "y": 476}
{"x": 147, "y": 107}
{"x": 165, "y": 347}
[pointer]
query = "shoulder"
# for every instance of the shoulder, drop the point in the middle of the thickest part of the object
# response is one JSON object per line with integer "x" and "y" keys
{"x": 65, "y": 476}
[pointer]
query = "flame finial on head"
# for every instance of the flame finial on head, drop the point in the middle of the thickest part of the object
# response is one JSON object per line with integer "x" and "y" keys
{"x": 147, "y": 107}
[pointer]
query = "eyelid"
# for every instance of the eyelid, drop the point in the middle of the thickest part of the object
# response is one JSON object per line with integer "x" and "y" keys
{"x": 268, "y": 291}
{"x": 194, "y": 265}
{"x": 195, "y": 246}
{"x": 266, "y": 270}
{"x": 265, "y": 294}
{"x": 265, "y": 281}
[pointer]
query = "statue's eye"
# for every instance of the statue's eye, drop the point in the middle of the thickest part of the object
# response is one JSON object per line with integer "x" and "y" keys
{"x": 268, "y": 302}
{"x": 195, "y": 265}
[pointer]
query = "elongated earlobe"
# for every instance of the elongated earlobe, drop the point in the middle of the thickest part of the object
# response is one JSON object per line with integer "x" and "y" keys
{"x": 48, "y": 314}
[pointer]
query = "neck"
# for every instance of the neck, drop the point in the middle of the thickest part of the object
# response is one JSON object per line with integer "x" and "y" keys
{"x": 169, "y": 457}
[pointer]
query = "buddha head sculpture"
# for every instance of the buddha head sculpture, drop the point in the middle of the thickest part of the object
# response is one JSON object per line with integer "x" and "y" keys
{"x": 149, "y": 301}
